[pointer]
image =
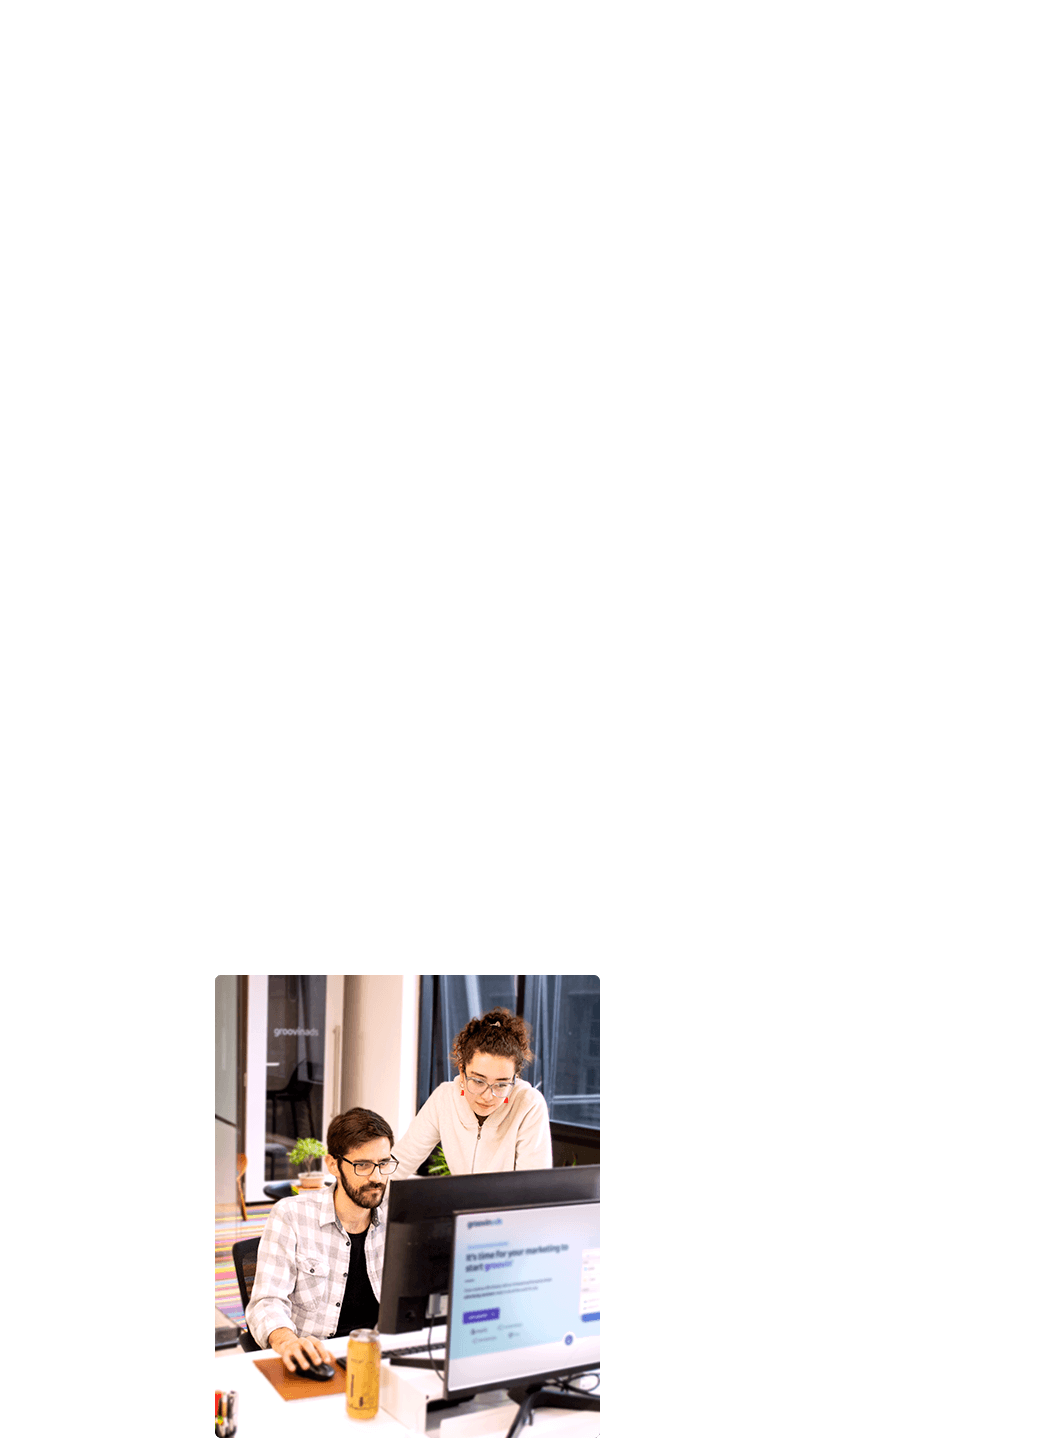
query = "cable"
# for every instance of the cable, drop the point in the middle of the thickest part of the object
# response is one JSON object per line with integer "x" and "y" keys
{"x": 429, "y": 1352}
{"x": 573, "y": 1385}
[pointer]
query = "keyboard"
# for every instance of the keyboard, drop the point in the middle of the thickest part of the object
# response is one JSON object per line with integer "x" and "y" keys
{"x": 416, "y": 1351}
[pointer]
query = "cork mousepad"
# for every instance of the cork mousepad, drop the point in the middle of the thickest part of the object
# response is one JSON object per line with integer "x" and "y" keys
{"x": 291, "y": 1385}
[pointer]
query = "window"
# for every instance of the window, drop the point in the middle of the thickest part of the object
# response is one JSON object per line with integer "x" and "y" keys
{"x": 563, "y": 1012}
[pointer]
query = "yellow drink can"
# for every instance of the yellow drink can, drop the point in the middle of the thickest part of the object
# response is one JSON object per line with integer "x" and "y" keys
{"x": 364, "y": 1356}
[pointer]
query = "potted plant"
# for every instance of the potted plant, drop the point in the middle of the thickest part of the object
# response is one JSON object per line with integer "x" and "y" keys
{"x": 304, "y": 1156}
{"x": 438, "y": 1164}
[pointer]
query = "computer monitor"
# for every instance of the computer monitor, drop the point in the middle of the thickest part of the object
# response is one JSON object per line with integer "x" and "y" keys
{"x": 524, "y": 1296}
{"x": 420, "y": 1229}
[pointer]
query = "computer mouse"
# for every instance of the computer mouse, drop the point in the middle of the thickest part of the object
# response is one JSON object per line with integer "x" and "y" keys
{"x": 320, "y": 1371}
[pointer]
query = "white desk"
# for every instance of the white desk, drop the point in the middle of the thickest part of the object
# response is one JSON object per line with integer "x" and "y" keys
{"x": 264, "y": 1413}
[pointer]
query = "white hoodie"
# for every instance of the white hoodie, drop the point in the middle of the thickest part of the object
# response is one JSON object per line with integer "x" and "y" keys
{"x": 514, "y": 1135}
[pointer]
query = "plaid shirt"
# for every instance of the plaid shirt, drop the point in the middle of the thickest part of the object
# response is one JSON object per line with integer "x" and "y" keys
{"x": 302, "y": 1266}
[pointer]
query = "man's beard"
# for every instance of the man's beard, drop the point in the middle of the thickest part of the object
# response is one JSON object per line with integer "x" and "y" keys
{"x": 368, "y": 1196}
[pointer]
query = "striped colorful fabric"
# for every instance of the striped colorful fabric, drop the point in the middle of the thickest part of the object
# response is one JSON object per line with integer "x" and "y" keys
{"x": 229, "y": 1232}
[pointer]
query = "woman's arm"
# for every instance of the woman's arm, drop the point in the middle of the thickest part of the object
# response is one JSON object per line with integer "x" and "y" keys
{"x": 421, "y": 1138}
{"x": 533, "y": 1139}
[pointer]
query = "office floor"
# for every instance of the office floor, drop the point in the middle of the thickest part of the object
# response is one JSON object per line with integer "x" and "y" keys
{"x": 230, "y": 1227}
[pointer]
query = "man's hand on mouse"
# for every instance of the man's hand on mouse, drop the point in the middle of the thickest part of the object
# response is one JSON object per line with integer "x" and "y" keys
{"x": 298, "y": 1352}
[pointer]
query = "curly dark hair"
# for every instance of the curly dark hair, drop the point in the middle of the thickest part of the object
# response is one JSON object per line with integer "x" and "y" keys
{"x": 499, "y": 1032}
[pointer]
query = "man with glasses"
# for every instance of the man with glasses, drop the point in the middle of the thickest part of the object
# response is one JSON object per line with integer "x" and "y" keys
{"x": 320, "y": 1263}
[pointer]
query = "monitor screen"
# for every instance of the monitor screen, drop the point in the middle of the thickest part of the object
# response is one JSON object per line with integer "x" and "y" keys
{"x": 420, "y": 1224}
{"x": 524, "y": 1295}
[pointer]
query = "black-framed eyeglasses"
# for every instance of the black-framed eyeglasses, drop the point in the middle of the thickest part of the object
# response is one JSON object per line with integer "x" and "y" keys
{"x": 498, "y": 1089}
{"x": 365, "y": 1166}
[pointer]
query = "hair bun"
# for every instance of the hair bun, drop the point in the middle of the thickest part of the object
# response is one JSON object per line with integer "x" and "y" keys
{"x": 498, "y": 1032}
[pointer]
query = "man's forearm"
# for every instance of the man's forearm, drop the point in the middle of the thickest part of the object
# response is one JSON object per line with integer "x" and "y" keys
{"x": 278, "y": 1336}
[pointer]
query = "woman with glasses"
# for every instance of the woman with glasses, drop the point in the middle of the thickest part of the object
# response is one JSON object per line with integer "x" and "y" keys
{"x": 487, "y": 1119}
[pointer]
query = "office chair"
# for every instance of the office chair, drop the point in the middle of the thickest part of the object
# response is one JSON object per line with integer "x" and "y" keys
{"x": 243, "y": 1254}
{"x": 298, "y": 1096}
{"x": 275, "y": 1156}
{"x": 278, "y": 1190}
{"x": 285, "y": 1190}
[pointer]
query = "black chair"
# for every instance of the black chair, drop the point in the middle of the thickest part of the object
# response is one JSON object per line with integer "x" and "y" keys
{"x": 243, "y": 1255}
{"x": 286, "y": 1189}
{"x": 300, "y": 1096}
{"x": 278, "y": 1190}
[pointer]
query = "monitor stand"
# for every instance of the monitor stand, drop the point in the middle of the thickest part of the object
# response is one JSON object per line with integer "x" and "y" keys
{"x": 436, "y": 1312}
{"x": 432, "y": 1404}
{"x": 531, "y": 1398}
